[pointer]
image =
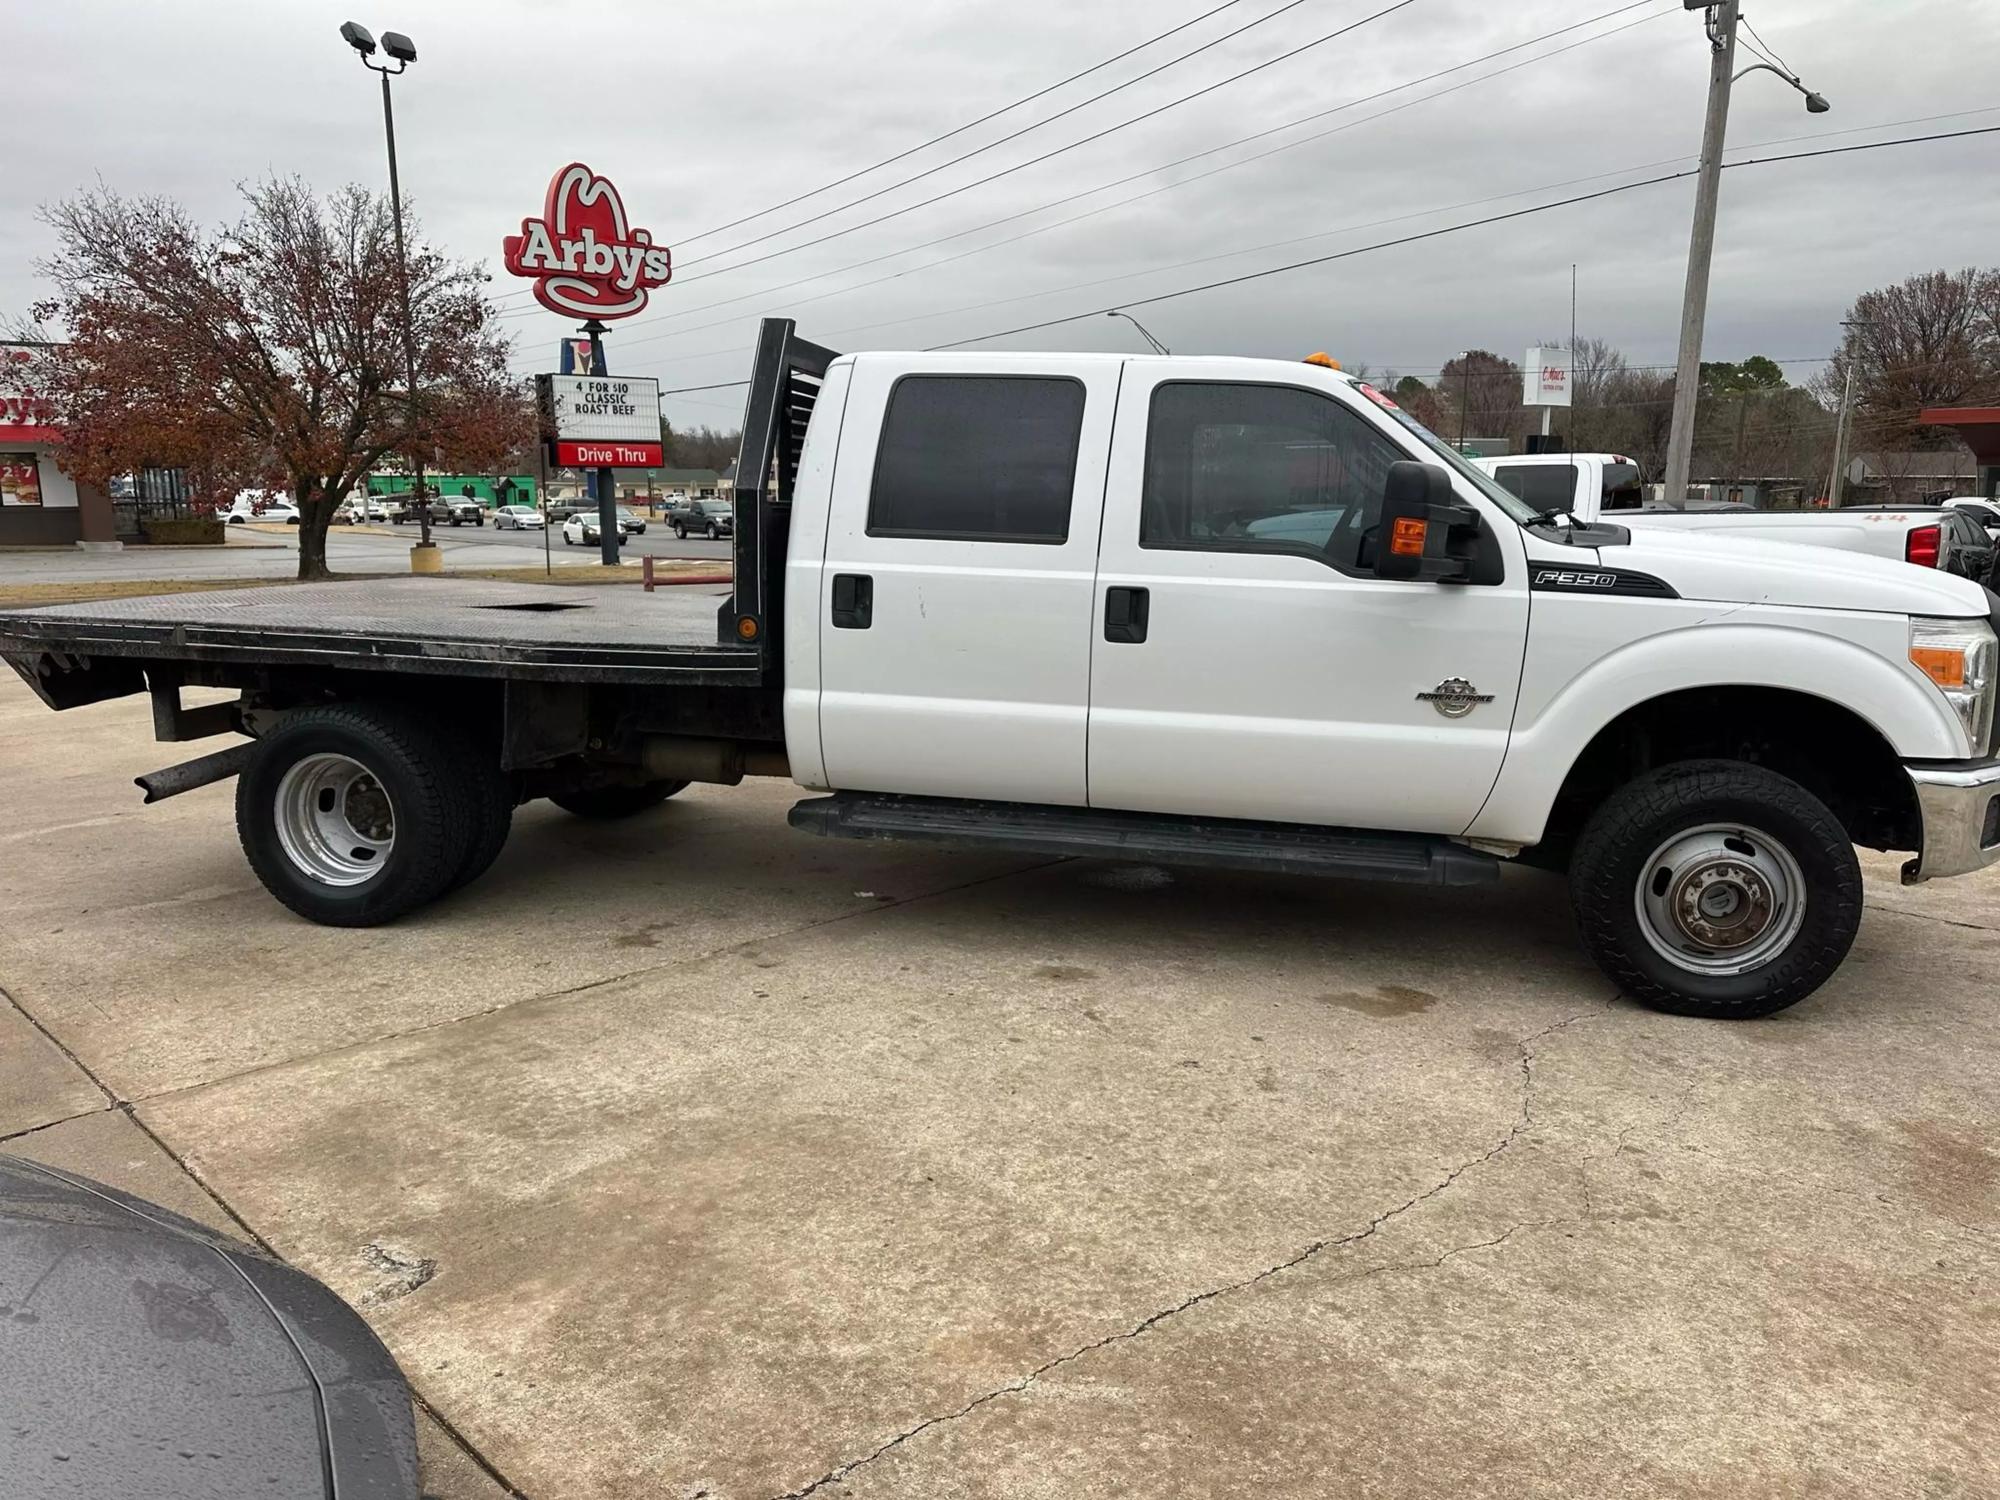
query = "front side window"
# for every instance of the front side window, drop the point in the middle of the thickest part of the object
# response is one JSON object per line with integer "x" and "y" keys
{"x": 984, "y": 458}
{"x": 1262, "y": 468}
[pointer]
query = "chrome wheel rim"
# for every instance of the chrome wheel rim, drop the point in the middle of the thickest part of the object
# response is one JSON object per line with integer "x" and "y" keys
{"x": 1720, "y": 899}
{"x": 335, "y": 820}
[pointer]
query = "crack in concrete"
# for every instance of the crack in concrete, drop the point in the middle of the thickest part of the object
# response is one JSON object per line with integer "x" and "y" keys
{"x": 1522, "y": 1121}
{"x": 1924, "y": 916}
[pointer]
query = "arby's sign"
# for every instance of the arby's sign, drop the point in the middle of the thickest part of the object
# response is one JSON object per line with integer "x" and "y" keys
{"x": 583, "y": 254}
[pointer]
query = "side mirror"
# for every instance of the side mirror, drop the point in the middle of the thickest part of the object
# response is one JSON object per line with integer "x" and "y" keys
{"x": 1426, "y": 534}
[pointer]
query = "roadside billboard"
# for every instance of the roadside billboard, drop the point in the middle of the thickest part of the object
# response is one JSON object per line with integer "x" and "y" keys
{"x": 1545, "y": 376}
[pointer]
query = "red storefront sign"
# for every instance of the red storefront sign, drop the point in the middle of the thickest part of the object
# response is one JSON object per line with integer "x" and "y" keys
{"x": 582, "y": 254}
{"x": 601, "y": 455}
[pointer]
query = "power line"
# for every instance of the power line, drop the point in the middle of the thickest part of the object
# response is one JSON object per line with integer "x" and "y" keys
{"x": 1168, "y": 166}
{"x": 971, "y": 124}
{"x": 1424, "y": 235}
{"x": 1318, "y": 260}
{"x": 1032, "y": 161}
{"x": 1765, "y": 49}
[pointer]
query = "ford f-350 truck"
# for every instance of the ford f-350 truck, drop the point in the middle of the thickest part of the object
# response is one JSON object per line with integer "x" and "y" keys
{"x": 1211, "y": 610}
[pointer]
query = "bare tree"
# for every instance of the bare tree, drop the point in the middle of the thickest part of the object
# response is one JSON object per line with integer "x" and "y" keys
{"x": 1484, "y": 390}
{"x": 270, "y": 349}
{"x": 1933, "y": 340}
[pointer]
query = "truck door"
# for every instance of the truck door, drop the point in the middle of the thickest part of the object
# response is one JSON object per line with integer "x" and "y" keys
{"x": 1246, "y": 661}
{"x": 955, "y": 600}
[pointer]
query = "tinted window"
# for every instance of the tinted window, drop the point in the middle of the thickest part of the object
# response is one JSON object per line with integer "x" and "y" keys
{"x": 977, "y": 458}
{"x": 1621, "y": 487}
{"x": 1262, "y": 468}
{"x": 1544, "y": 486}
{"x": 1985, "y": 515}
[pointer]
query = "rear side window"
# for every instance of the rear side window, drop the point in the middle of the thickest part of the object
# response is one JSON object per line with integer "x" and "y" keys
{"x": 979, "y": 458}
{"x": 1621, "y": 487}
{"x": 1544, "y": 486}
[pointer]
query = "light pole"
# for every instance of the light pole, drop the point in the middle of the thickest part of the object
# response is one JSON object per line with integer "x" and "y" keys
{"x": 1720, "y": 21}
{"x": 403, "y": 52}
{"x": 1152, "y": 343}
{"x": 1840, "y": 423}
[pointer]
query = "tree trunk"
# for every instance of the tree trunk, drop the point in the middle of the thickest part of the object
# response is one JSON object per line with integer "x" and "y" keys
{"x": 315, "y": 514}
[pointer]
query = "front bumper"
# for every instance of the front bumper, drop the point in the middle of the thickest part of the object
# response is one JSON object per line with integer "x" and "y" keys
{"x": 1959, "y": 808}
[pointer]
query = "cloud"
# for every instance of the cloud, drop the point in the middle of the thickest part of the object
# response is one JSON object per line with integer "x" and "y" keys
{"x": 705, "y": 114}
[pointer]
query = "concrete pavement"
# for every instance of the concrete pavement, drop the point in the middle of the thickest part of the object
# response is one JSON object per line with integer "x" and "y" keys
{"x": 752, "y": 1166}
{"x": 272, "y": 552}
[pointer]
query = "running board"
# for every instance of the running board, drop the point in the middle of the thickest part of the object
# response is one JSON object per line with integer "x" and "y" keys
{"x": 1092, "y": 833}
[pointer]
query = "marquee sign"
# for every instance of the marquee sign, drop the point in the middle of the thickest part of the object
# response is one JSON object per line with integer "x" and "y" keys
{"x": 1545, "y": 377}
{"x": 602, "y": 421}
{"x": 583, "y": 255}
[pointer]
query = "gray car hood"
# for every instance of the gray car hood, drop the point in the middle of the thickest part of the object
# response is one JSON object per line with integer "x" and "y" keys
{"x": 144, "y": 1355}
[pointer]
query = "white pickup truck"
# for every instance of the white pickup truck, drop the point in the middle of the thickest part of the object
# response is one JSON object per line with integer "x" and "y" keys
{"x": 1208, "y": 610}
{"x": 1590, "y": 485}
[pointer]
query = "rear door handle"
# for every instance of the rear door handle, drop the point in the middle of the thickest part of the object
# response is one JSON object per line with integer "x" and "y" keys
{"x": 853, "y": 601}
{"x": 1125, "y": 615}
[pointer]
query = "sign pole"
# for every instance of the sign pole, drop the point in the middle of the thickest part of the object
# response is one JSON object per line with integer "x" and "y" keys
{"x": 608, "y": 534}
{"x": 542, "y": 502}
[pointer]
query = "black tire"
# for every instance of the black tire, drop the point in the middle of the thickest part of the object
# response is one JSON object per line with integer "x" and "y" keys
{"x": 681, "y": 532}
{"x": 712, "y": 532}
{"x": 608, "y": 802}
{"x": 415, "y": 764}
{"x": 493, "y": 811}
{"x": 1615, "y": 853}
{"x": 566, "y": 540}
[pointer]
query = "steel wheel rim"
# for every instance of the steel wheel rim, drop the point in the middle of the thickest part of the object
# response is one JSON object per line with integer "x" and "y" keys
{"x": 1720, "y": 899}
{"x": 335, "y": 820}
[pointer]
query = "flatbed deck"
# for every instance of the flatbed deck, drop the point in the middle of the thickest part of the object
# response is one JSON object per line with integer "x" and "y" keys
{"x": 607, "y": 633}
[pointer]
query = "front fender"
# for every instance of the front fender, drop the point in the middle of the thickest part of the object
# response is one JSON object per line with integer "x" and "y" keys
{"x": 1889, "y": 695}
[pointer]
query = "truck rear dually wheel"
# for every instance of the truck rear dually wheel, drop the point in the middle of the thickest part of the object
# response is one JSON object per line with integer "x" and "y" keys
{"x": 353, "y": 814}
{"x": 1716, "y": 888}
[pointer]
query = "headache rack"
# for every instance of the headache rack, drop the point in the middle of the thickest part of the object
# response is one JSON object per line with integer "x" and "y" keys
{"x": 784, "y": 385}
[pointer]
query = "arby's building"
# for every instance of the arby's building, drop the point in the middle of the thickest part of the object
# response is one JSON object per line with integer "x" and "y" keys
{"x": 40, "y": 505}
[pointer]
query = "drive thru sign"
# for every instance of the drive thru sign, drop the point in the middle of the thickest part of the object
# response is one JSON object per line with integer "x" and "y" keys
{"x": 602, "y": 421}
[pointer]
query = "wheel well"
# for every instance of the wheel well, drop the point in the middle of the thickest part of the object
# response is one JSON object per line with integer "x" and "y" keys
{"x": 1829, "y": 750}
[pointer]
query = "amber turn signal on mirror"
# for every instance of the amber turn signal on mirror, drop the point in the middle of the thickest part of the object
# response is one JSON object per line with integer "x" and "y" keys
{"x": 1406, "y": 539}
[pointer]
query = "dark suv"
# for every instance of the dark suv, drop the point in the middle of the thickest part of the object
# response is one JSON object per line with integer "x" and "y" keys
{"x": 709, "y": 518}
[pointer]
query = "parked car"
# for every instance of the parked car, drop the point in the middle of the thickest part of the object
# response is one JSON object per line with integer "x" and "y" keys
{"x": 1972, "y": 545}
{"x": 518, "y": 518}
{"x": 582, "y": 529}
{"x": 457, "y": 510}
{"x": 148, "y": 1355}
{"x": 709, "y": 518}
{"x": 1985, "y": 512}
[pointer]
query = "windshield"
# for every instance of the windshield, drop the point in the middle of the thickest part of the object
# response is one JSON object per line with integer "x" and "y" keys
{"x": 1452, "y": 459}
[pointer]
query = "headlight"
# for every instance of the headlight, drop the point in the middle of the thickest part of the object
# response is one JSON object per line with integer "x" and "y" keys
{"x": 1958, "y": 655}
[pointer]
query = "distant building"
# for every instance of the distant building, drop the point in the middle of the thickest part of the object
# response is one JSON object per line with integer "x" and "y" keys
{"x": 1907, "y": 478}
{"x": 1978, "y": 427}
{"x": 40, "y": 505}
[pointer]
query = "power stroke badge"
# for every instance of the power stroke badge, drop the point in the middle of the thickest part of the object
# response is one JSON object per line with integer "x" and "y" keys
{"x": 1454, "y": 698}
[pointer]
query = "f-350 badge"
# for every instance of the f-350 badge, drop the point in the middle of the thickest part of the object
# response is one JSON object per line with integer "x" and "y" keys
{"x": 1454, "y": 698}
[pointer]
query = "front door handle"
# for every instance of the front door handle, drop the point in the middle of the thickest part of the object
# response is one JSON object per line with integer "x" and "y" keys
{"x": 853, "y": 601}
{"x": 1125, "y": 615}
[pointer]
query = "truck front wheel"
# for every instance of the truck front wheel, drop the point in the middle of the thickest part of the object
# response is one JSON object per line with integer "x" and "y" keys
{"x": 353, "y": 814}
{"x": 1716, "y": 888}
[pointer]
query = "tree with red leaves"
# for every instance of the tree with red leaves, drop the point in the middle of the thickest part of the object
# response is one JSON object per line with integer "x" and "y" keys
{"x": 270, "y": 352}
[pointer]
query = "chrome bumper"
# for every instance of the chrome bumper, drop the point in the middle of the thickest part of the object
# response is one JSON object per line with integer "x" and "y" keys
{"x": 1959, "y": 808}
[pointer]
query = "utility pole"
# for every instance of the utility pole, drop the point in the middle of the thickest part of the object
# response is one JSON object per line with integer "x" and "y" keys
{"x": 1720, "y": 22}
{"x": 1721, "y": 25}
{"x": 1834, "y": 475}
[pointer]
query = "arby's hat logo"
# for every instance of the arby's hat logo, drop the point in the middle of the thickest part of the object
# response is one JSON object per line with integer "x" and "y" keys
{"x": 583, "y": 254}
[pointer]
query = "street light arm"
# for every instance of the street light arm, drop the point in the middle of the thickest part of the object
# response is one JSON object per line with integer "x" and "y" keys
{"x": 1815, "y": 103}
{"x": 1152, "y": 343}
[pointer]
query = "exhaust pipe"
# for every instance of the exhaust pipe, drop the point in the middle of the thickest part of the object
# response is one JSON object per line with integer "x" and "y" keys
{"x": 201, "y": 771}
{"x": 680, "y": 757}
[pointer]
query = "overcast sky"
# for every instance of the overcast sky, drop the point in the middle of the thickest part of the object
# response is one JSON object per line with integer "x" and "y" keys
{"x": 703, "y": 114}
